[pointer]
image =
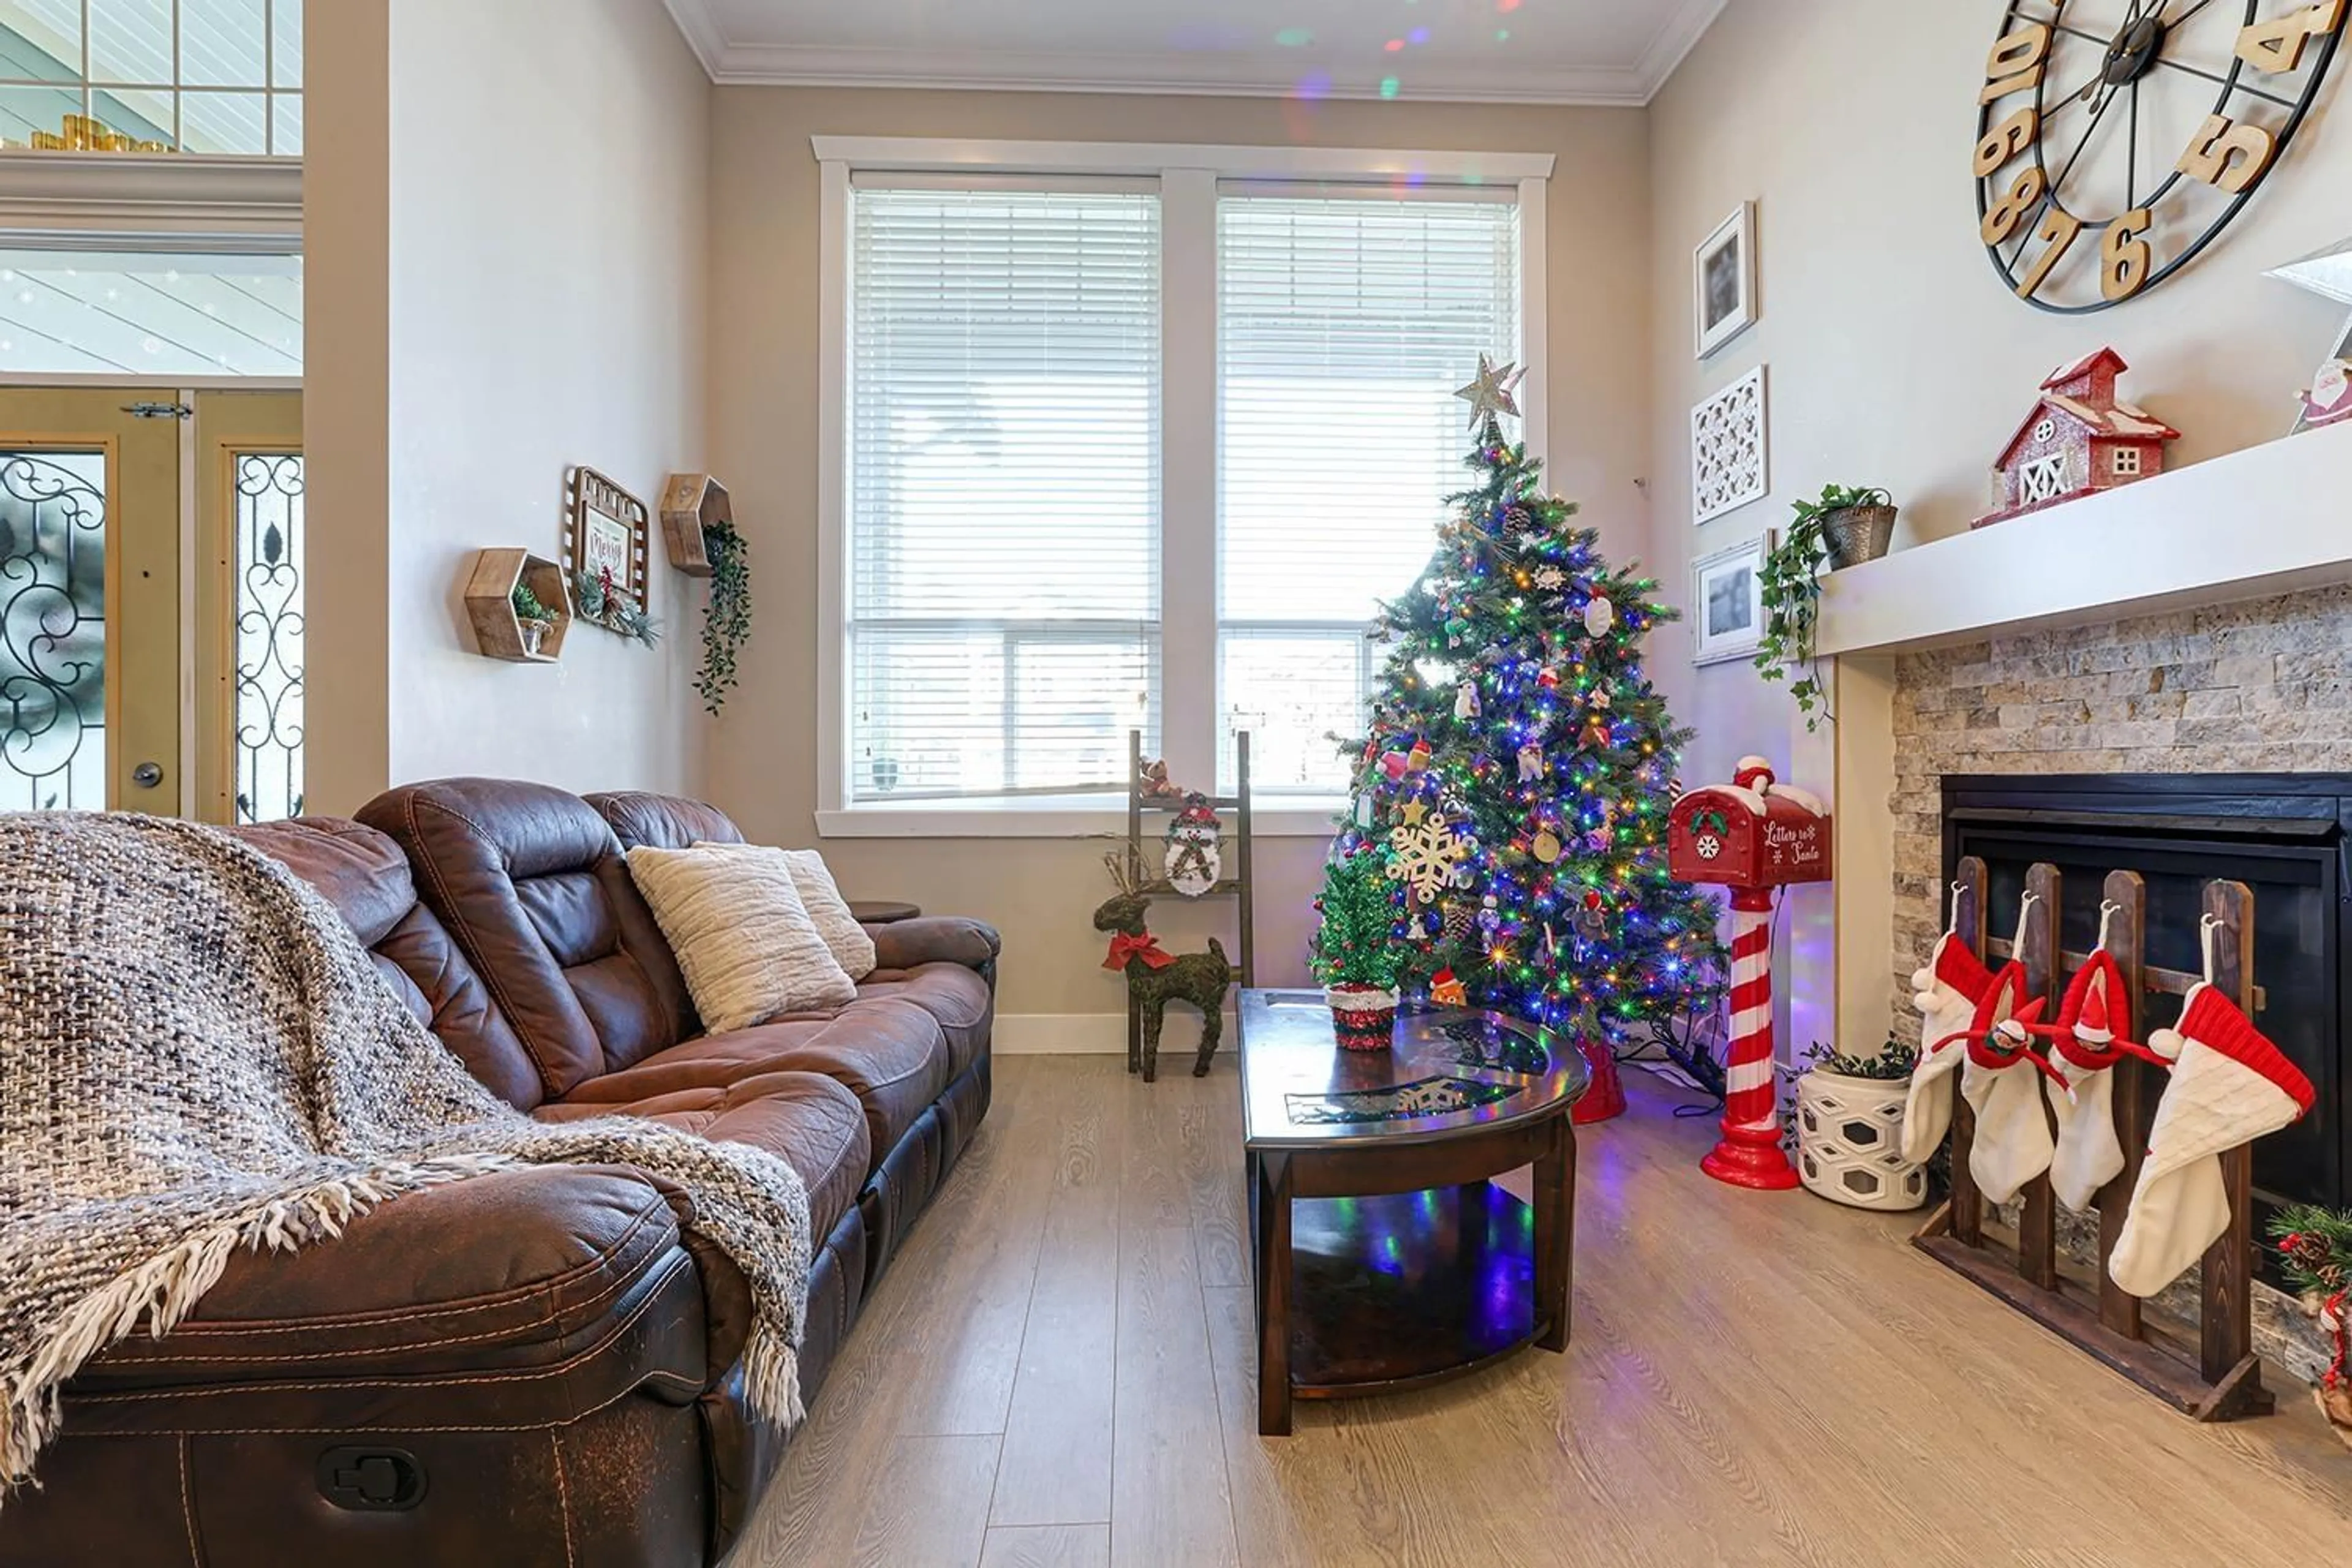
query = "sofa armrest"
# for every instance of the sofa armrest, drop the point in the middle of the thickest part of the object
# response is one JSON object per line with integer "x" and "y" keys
{"x": 540, "y": 1282}
{"x": 934, "y": 939}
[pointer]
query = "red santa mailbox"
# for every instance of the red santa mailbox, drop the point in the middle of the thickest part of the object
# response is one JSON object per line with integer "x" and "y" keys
{"x": 1751, "y": 836}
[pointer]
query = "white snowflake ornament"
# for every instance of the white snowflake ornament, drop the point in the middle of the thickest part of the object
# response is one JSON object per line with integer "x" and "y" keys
{"x": 1430, "y": 856}
{"x": 1550, "y": 579}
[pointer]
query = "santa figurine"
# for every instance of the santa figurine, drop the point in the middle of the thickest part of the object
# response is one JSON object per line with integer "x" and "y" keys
{"x": 2230, "y": 1086}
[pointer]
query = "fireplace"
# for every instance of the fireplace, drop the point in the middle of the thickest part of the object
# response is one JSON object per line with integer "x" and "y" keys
{"x": 2286, "y": 836}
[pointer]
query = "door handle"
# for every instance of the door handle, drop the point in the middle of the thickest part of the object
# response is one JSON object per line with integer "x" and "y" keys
{"x": 147, "y": 775}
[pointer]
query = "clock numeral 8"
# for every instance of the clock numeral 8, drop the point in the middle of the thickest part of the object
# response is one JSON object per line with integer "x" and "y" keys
{"x": 2125, "y": 259}
{"x": 2007, "y": 140}
{"x": 2004, "y": 216}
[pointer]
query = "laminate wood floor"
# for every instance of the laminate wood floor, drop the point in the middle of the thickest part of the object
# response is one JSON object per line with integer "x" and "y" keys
{"x": 1057, "y": 1373}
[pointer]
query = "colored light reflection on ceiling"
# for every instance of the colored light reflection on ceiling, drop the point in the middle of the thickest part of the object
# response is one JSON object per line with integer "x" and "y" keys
{"x": 1293, "y": 38}
{"x": 1389, "y": 87}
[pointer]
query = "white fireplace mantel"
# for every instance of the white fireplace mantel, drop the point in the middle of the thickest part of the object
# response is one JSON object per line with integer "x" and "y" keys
{"x": 2270, "y": 519}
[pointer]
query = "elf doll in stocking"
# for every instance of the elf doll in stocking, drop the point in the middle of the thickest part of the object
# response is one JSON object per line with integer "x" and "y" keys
{"x": 2230, "y": 1086}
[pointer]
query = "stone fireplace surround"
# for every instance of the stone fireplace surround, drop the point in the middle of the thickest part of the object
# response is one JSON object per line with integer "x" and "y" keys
{"x": 2259, "y": 685}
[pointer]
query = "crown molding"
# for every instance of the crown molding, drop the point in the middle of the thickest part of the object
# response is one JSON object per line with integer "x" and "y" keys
{"x": 1184, "y": 75}
{"x": 139, "y": 201}
{"x": 701, "y": 32}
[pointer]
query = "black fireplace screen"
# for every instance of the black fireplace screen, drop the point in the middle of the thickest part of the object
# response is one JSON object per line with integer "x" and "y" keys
{"x": 2287, "y": 837}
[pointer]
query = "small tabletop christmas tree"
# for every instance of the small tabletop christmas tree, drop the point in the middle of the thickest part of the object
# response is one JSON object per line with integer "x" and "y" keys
{"x": 1521, "y": 764}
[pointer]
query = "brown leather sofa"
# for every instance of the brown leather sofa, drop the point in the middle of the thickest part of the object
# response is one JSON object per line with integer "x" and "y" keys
{"x": 538, "y": 1366}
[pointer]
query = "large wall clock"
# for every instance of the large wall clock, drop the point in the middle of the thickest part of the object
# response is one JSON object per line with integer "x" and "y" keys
{"x": 2118, "y": 138}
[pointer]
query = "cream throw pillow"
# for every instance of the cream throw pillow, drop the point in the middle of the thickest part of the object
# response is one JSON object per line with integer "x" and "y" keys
{"x": 742, "y": 937}
{"x": 844, "y": 937}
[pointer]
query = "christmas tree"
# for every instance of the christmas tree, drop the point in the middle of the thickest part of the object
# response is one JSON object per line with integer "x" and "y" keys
{"x": 1520, "y": 766}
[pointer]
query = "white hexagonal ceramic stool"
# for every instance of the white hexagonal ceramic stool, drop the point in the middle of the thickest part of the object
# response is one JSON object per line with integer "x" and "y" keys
{"x": 1850, "y": 1141}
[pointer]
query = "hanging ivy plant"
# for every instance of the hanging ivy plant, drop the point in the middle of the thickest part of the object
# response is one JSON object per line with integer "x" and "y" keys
{"x": 1792, "y": 599}
{"x": 727, "y": 620}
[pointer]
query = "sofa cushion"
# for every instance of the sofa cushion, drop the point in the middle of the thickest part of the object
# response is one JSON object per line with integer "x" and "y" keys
{"x": 530, "y": 881}
{"x": 814, "y": 1124}
{"x": 957, "y": 997}
{"x": 748, "y": 945}
{"x": 364, "y": 875}
{"x": 887, "y": 1051}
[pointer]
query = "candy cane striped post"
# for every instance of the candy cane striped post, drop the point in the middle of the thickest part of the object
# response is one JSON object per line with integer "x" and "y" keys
{"x": 1749, "y": 1155}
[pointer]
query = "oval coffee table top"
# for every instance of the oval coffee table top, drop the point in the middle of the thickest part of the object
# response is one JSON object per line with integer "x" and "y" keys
{"x": 1450, "y": 1074}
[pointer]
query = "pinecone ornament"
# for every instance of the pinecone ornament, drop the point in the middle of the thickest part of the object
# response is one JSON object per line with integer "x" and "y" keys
{"x": 1459, "y": 920}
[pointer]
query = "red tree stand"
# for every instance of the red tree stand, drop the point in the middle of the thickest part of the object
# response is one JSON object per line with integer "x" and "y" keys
{"x": 1751, "y": 836}
{"x": 1605, "y": 1096}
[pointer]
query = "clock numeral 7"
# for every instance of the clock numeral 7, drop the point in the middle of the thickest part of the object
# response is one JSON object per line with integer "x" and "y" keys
{"x": 2277, "y": 45}
{"x": 2016, "y": 62}
{"x": 2007, "y": 140}
{"x": 2058, "y": 230}
{"x": 2125, "y": 258}
{"x": 2227, "y": 155}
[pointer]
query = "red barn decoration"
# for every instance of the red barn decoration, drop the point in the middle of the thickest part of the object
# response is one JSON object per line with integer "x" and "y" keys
{"x": 1751, "y": 836}
{"x": 2080, "y": 437}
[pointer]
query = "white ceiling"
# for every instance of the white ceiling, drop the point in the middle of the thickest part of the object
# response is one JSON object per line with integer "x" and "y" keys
{"x": 1537, "y": 51}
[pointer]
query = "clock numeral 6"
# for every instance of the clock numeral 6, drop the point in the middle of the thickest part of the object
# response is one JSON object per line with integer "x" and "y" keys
{"x": 2004, "y": 216}
{"x": 2058, "y": 230}
{"x": 2277, "y": 45}
{"x": 2015, "y": 64}
{"x": 2007, "y": 140}
{"x": 2125, "y": 259}
{"x": 2227, "y": 155}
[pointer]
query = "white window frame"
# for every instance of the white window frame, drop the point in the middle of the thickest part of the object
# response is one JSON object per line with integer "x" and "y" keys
{"x": 1186, "y": 178}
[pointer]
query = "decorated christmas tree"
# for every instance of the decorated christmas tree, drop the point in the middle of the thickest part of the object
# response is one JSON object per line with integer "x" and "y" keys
{"x": 1520, "y": 766}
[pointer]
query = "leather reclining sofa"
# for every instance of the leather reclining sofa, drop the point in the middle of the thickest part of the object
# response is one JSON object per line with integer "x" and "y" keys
{"x": 538, "y": 1366}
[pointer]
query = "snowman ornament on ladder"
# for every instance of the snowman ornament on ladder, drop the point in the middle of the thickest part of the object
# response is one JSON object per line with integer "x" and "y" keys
{"x": 1195, "y": 857}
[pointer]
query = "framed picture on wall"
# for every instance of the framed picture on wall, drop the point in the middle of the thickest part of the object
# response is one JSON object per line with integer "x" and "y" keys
{"x": 1723, "y": 274}
{"x": 1727, "y": 602}
{"x": 609, "y": 533}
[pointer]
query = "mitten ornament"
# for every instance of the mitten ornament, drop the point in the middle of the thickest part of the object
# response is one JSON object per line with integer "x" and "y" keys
{"x": 2230, "y": 1086}
{"x": 1946, "y": 992}
{"x": 2088, "y": 1155}
{"x": 2001, "y": 1082}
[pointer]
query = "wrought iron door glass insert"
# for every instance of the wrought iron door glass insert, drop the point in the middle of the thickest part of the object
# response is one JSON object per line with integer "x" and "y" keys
{"x": 269, "y": 636}
{"x": 52, "y": 631}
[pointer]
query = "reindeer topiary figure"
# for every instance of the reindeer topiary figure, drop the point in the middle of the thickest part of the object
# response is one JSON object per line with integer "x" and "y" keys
{"x": 1154, "y": 977}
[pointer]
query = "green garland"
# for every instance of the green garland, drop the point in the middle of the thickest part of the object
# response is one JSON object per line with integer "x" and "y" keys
{"x": 2314, "y": 1247}
{"x": 615, "y": 611}
{"x": 726, "y": 619}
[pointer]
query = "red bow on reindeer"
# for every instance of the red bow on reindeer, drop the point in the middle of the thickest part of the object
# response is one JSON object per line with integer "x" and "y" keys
{"x": 1145, "y": 947}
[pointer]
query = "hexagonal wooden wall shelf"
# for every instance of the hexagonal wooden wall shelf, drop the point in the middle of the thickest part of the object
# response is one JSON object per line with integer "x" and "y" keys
{"x": 691, "y": 503}
{"x": 489, "y": 604}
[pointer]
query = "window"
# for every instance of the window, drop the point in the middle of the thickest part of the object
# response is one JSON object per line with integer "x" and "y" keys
{"x": 191, "y": 76}
{"x": 2128, "y": 460}
{"x": 1345, "y": 326}
{"x": 1003, "y": 490}
{"x": 86, "y": 313}
{"x": 1123, "y": 437}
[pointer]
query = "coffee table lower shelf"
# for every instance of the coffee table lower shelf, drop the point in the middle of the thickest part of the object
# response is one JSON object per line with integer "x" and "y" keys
{"x": 1408, "y": 1289}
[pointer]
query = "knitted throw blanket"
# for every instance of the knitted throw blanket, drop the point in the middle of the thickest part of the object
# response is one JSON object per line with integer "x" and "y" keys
{"x": 197, "y": 1055}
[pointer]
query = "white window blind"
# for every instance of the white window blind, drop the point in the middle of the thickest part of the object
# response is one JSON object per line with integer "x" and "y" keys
{"x": 1345, "y": 325}
{"x": 1003, "y": 490}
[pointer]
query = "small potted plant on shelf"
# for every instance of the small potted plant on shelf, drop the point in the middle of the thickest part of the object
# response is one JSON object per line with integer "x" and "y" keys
{"x": 1850, "y": 1128}
{"x": 1355, "y": 954}
{"x": 533, "y": 619}
{"x": 1845, "y": 527}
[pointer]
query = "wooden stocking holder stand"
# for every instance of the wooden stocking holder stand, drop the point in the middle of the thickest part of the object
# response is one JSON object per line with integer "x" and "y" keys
{"x": 2219, "y": 1378}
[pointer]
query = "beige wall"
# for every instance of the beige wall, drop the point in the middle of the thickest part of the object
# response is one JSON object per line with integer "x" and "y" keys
{"x": 1896, "y": 356}
{"x": 763, "y": 755}
{"x": 545, "y": 224}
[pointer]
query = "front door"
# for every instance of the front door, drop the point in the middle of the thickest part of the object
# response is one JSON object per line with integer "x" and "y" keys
{"x": 151, "y": 556}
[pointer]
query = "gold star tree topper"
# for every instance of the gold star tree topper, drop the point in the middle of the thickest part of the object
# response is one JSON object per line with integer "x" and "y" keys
{"x": 1490, "y": 396}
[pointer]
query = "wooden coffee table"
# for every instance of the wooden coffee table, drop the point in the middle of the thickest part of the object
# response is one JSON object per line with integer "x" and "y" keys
{"x": 1385, "y": 1257}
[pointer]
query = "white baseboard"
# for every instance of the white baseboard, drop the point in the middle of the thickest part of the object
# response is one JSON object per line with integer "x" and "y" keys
{"x": 1091, "y": 1033}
